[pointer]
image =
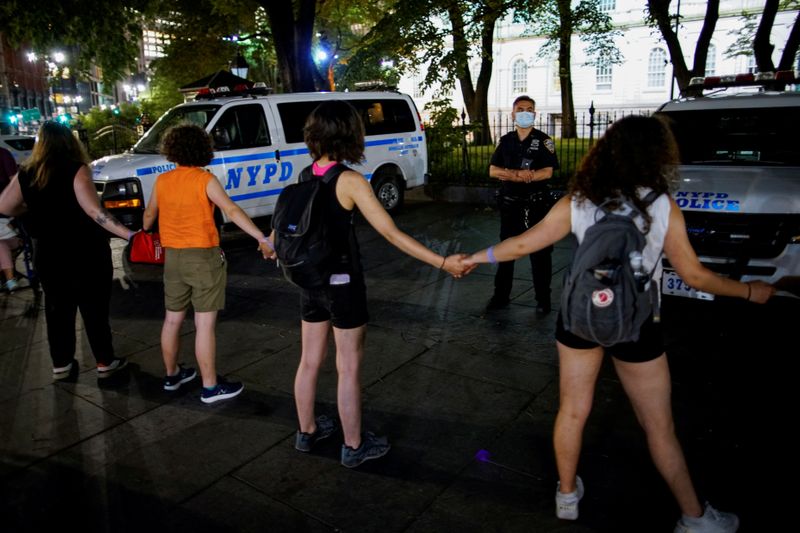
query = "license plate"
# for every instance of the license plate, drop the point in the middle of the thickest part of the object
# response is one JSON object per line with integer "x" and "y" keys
{"x": 672, "y": 284}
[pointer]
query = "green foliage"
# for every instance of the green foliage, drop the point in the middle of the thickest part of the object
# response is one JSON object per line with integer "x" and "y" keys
{"x": 443, "y": 135}
{"x": 87, "y": 31}
{"x": 124, "y": 125}
{"x": 593, "y": 27}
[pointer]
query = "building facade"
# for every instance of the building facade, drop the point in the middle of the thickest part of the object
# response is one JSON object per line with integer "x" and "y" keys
{"x": 642, "y": 82}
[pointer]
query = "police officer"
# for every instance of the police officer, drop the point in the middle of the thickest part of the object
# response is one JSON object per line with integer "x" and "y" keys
{"x": 523, "y": 161}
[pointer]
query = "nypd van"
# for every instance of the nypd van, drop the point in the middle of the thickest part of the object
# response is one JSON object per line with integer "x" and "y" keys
{"x": 259, "y": 149}
{"x": 739, "y": 184}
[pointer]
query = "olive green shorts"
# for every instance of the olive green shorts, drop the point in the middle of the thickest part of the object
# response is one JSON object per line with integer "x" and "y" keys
{"x": 197, "y": 276}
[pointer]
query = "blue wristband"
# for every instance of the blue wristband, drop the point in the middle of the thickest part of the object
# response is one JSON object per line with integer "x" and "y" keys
{"x": 490, "y": 255}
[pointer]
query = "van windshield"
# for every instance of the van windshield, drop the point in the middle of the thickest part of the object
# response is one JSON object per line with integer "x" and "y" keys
{"x": 198, "y": 114}
{"x": 762, "y": 136}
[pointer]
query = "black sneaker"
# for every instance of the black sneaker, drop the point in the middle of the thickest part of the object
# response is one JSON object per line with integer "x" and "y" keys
{"x": 497, "y": 302}
{"x": 66, "y": 373}
{"x": 184, "y": 375}
{"x": 104, "y": 371}
{"x": 372, "y": 447}
{"x": 325, "y": 428}
{"x": 222, "y": 391}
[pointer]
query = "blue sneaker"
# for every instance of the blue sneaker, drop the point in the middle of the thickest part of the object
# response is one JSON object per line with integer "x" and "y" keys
{"x": 325, "y": 428}
{"x": 184, "y": 375}
{"x": 372, "y": 447}
{"x": 222, "y": 391}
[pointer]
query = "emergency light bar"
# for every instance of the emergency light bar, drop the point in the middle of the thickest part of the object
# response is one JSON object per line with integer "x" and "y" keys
{"x": 207, "y": 93}
{"x": 748, "y": 79}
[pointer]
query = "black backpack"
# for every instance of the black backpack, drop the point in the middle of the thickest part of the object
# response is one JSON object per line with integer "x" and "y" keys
{"x": 606, "y": 298}
{"x": 301, "y": 232}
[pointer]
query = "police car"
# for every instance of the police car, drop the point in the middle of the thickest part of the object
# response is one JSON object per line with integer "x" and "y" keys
{"x": 20, "y": 146}
{"x": 739, "y": 184}
{"x": 259, "y": 149}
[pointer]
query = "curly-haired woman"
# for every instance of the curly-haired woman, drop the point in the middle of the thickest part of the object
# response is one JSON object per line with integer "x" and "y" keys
{"x": 637, "y": 155}
{"x": 195, "y": 271}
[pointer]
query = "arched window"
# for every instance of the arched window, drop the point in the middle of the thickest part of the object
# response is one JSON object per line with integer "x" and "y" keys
{"x": 556, "y": 77}
{"x": 751, "y": 64}
{"x": 656, "y": 68}
{"x": 711, "y": 60}
{"x": 603, "y": 76}
{"x": 519, "y": 77}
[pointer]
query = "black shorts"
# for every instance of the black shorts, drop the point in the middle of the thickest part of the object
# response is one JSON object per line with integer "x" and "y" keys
{"x": 649, "y": 346}
{"x": 344, "y": 305}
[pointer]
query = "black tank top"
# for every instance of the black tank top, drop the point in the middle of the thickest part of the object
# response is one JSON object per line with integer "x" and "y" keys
{"x": 342, "y": 231}
{"x": 54, "y": 215}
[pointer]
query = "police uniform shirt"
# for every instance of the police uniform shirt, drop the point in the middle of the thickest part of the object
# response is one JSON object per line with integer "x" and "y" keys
{"x": 510, "y": 153}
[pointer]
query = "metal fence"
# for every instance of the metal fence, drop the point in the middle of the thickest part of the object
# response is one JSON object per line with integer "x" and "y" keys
{"x": 454, "y": 157}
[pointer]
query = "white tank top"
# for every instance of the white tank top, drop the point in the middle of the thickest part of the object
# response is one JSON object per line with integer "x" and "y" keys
{"x": 583, "y": 215}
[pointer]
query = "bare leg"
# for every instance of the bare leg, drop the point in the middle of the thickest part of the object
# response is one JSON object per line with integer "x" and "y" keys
{"x": 578, "y": 370}
{"x": 170, "y": 340}
{"x": 205, "y": 346}
{"x": 349, "y": 353}
{"x": 314, "y": 350}
{"x": 648, "y": 387}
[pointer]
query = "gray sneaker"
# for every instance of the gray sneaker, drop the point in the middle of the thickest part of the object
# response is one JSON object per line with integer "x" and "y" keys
{"x": 372, "y": 447}
{"x": 712, "y": 521}
{"x": 325, "y": 428}
{"x": 567, "y": 504}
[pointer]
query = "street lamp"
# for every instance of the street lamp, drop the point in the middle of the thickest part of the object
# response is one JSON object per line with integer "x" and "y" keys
{"x": 240, "y": 66}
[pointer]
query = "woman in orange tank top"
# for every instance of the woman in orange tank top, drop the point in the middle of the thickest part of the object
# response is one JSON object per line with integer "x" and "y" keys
{"x": 195, "y": 271}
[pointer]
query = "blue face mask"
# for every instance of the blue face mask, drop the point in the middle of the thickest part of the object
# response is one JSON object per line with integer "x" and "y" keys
{"x": 524, "y": 119}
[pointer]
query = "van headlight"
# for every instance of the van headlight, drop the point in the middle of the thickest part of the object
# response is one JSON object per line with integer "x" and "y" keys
{"x": 123, "y": 194}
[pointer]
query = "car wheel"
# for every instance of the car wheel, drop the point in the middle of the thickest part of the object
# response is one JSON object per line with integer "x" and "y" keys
{"x": 389, "y": 192}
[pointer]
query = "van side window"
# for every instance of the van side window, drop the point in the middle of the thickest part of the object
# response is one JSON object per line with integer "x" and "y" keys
{"x": 381, "y": 116}
{"x": 242, "y": 126}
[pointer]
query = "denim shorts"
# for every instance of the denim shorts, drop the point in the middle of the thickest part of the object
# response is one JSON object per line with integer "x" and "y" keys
{"x": 197, "y": 276}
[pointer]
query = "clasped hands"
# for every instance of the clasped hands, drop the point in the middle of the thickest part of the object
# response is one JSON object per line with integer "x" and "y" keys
{"x": 459, "y": 265}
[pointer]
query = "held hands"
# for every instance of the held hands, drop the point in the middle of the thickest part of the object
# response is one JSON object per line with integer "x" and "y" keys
{"x": 454, "y": 264}
{"x": 760, "y": 292}
{"x": 267, "y": 250}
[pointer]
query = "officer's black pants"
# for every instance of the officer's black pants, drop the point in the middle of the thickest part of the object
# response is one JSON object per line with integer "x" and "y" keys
{"x": 513, "y": 222}
{"x": 80, "y": 280}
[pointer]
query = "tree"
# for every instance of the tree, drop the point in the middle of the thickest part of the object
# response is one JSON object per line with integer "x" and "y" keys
{"x": 443, "y": 37}
{"x": 659, "y": 16}
{"x": 762, "y": 47}
{"x": 292, "y": 25}
{"x": 105, "y": 40}
{"x": 558, "y": 20}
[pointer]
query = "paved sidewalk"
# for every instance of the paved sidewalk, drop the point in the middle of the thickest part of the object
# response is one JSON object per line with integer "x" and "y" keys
{"x": 446, "y": 384}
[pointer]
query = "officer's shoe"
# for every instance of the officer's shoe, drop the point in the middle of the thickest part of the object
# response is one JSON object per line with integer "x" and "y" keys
{"x": 497, "y": 302}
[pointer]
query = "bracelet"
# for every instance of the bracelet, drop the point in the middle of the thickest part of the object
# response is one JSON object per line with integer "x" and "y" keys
{"x": 490, "y": 255}
{"x": 749, "y": 291}
{"x": 266, "y": 241}
{"x": 444, "y": 260}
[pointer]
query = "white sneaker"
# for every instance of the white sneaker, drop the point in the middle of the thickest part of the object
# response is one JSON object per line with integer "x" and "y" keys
{"x": 12, "y": 285}
{"x": 567, "y": 504}
{"x": 712, "y": 521}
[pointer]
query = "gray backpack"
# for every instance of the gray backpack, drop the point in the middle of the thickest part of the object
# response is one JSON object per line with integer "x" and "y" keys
{"x": 606, "y": 298}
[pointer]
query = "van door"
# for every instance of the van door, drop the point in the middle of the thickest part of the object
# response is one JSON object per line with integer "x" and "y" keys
{"x": 245, "y": 160}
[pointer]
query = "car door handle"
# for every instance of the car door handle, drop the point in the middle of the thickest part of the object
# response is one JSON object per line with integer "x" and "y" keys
{"x": 277, "y": 155}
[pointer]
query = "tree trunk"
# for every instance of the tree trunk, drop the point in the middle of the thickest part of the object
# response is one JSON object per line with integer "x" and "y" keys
{"x": 659, "y": 11}
{"x": 762, "y": 48}
{"x": 292, "y": 24}
{"x": 568, "y": 130}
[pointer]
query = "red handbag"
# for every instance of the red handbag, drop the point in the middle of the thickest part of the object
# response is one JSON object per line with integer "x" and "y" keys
{"x": 146, "y": 248}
